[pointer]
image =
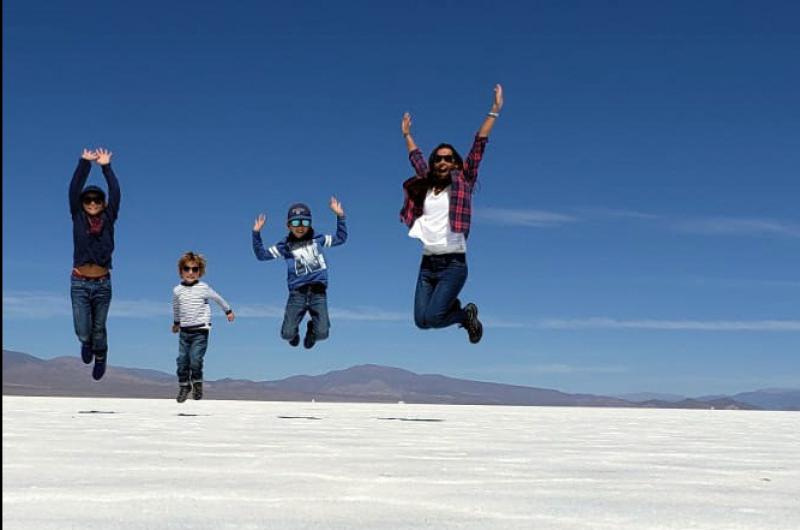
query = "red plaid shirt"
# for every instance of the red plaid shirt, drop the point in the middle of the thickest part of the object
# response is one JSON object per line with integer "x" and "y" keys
{"x": 463, "y": 182}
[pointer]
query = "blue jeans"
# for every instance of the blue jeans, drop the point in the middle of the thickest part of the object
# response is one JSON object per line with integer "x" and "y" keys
{"x": 90, "y": 302}
{"x": 193, "y": 344}
{"x": 436, "y": 303}
{"x": 311, "y": 298}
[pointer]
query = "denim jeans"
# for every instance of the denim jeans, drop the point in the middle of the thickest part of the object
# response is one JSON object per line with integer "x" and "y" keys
{"x": 307, "y": 298}
{"x": 436, "y": 303}
{"x": 90, "y": 302}
{"x": 193, "y": 344}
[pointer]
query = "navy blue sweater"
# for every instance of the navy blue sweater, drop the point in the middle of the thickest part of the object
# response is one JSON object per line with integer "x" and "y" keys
{"x": 91, "y": 248}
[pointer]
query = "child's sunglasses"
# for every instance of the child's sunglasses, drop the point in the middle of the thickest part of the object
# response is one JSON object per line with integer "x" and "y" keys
{"x": 191, "y": 269}
{"x": 89, "y": 199}
{"x": 300, "y": 222}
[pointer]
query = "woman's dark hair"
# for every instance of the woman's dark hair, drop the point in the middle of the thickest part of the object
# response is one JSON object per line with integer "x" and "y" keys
{"x": 458, "y": 160}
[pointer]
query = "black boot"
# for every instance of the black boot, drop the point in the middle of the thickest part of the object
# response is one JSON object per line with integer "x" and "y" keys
{"x": 87, "y": 355}
{"x": 473, "y": 325}
{"x": 197, "y": 390}
{"x": 183, "y": 393}
{"x": 294, "y": 341}
{"x": 311, "y": 337}
{"x": 99, "y": 369}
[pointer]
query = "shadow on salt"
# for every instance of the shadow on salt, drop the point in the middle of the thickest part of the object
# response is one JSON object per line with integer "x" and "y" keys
{"x": 413, "y": 419}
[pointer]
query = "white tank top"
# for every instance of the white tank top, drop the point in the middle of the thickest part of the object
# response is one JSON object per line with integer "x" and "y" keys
{"x": 433, "y": 226}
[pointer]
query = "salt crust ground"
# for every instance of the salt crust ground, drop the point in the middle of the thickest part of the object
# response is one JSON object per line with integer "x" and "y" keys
{"x": 229, "y": 464}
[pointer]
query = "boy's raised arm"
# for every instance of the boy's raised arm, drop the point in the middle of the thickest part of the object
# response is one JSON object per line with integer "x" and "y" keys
{"x": 258, "y": 245}
{"x": 341, "y": 225}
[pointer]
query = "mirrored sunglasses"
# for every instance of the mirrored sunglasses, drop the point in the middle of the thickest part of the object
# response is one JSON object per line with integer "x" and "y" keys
{"x": 300, "y": 222}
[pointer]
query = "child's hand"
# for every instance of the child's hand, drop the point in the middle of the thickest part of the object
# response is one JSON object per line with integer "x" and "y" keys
{"x": 89, "y": 155}
{"x": 231, "y": 316}
{"x": 103, "y": 156}
{"x": 259, "y": 224}
{"x": 336, "y": 206}
{"x": 175, "y": 328}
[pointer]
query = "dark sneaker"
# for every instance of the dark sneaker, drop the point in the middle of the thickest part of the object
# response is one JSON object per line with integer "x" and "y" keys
{"x": 311, "y": 337}
{"x": 473, "y": 325}
{"x": 87, "y": 355}
{"x": 197, "y": 390}
{"x": 183, "y": 393}
{"x": 99, "y": 369}
{"x": 295, "y": 340}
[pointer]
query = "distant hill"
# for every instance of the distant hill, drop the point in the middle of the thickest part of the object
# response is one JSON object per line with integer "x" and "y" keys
{"x": 651, "y": 396}
{"x": 718, "y": 404}
{"x": 25, "y": 374}
{"x": 772, "y": 398}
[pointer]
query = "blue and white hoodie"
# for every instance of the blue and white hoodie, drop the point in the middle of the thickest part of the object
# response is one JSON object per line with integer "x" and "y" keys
{"x": 305, "y": 260}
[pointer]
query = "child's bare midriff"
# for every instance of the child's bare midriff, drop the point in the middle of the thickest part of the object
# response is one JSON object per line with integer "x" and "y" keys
{"x": 92, "y": 270}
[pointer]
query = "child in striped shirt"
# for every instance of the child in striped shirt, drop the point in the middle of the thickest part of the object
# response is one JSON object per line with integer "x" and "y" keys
{"x": 192, "y": 317}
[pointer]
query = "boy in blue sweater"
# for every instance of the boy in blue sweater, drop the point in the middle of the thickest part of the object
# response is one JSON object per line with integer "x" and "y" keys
{"x": 307, "y": 274}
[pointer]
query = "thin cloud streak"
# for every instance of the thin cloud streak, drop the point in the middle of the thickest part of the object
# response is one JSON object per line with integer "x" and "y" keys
{"x": 731, "y": 226}
{"x": 670, "y": 325}
{"x": 40, "y": 305}
{"x": 35, "y": 305}
{"x": 613, "y": 212}
{"x": 44, "y": 305}
{"x": 710, "y": 226}
{"x": 258, "y": 311}
{"x": 370, "y": 314}
{"x": 527, "y": 218}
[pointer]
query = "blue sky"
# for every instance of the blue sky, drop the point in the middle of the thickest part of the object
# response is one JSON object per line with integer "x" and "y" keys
{"x": 636, "y": 226}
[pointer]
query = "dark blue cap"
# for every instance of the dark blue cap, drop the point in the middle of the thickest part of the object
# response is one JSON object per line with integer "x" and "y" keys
{"x": 299, "y": 211}
{"x": 93, "y": 189}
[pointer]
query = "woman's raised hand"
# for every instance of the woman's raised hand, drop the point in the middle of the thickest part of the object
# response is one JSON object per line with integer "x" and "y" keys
{"x": 405, "y": 125}
{"x": 498, "y": 98}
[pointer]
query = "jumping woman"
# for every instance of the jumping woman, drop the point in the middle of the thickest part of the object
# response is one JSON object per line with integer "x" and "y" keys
{"x": 438, "y": 209}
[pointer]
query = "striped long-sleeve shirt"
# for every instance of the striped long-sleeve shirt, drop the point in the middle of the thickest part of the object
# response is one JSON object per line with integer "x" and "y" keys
{"x": 190, "y": 305}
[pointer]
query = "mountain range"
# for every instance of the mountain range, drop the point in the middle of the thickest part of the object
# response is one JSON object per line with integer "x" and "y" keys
{"x": 24, "y": 374}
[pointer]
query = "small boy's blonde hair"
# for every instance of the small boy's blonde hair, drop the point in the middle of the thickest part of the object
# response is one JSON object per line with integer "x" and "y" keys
{"x": 189, "y": 257}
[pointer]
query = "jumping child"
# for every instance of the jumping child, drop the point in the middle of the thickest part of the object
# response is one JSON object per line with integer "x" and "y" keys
{"x": 192, "y": 317}
{"x": 307, "y": 275}
{"x": 93, "y": 241}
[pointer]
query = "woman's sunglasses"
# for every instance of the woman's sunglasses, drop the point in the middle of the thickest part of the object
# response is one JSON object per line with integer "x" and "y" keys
{"x": 300, "y": 222}
{"x": 191, "y": 269}
{"x": 89, "y": 199}
{"x": 446, "y": 158}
